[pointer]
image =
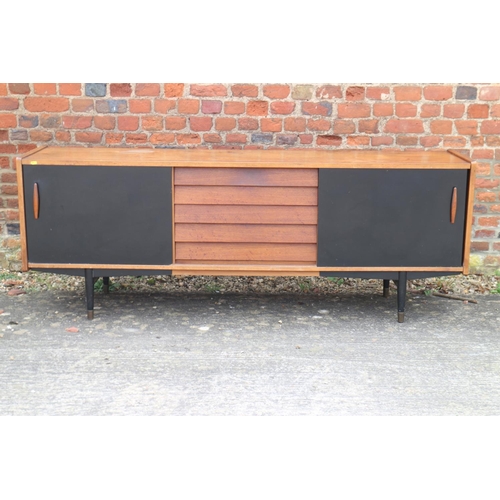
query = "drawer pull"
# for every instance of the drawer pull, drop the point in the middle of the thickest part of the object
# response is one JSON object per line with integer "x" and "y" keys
{"x": 36, "y": 201}
{"x": 453, "y": 212}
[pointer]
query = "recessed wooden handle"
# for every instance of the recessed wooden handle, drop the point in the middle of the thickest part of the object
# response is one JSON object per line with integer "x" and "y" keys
{"x": 36, "y": 201}
{"x": 453, "y": 212}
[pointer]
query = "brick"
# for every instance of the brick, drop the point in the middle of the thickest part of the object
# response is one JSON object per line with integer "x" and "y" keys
{"x": 111, "y": 106}
{"x": 82, "y": 105}
{"x": 40, "y": 135}
{"x": 408, "y": 93}
{"x": 248, "y": 124}
{"x": 493, "y": 141}
{"x": 344, "y": 127}
{"x": 480, "y": 209}
{"x": 8, "y": 120}
{"x": 208, "y": 90}
{"x": 129, "y": 123}
{"x": 406, "y": 140}
{"x": 465, "y": 92}
{"x": 453, "y": 110}
{"x": 147, "y": 89}
{"x": 486, "y": 183}
{"x": 54, "y": 104}
{"x": 317, "y": 108}
{"x": 482, "y": 154}
{"x": 3, "y": 89}
{"x": 200, "y": 123}
{"x": 212, "y": 138}
{"x": 63, "y": 136}
{"x": 25, "y": 148}
{"x": 138, "y": 138}
{"x": 404, "y": 126}
{"x": 483, "y": 169}
{"x": 496, "y": 247}
{"x": 271, "y": 124}
{"x": 70, "y": 89}
{"x": 306, "y": 138}
{"x": 7, "y": 148}
{"x": 28, "y": 121}
{"x": 225, "y": 123}
{"x": 9, "y": 189}
{"x": 4, "y": 162}
{"x": 383, "y": 109}
{"x": 378, "y": 93}
{"x": 302, "y": 92}
{"x": 188, "y": 106}
{"x": 78, "y": 122}
{"x": 478, "y": 111}
{"x": 162, "y": 138}
{"x": 120, "y": 89}
{"x": 257, "y": 108}
{"x": 355, "y": 93}
{"x": 319, "y": 124}
{"x": 490, "y": 127}
{"x": 438, "y": 92}
{"x": 236, "y": 138}
{"x": 441, "y": 126}
{"x": 295, "y": 124}
{"x": 282, "y": 107}
{"x": 139, "y": 105}
{"x": 276, "y": 91}
{"x": 8, "y": 103}
{"x": 368, "y": 126}
{"x": 13, "y": 229}
{"x": 188, "y": 139}
{"x": 173, "y": 89}
{"x": 354, "y": 110}
{"x": 358, "y": 140}
{"x": 477, "y": 141}
{"x": 286, "y": 139}
{"x": 495, "y": 208}
{"x": 234, "y": 107}
{"x": 489, "y": 93}
{"x": 454, "y": 142}
{"x": 329, "y": 140}
{"x": 329, "y": 92}
{"x": 244, "y": 90}
{"x": 479, "y": 246}
{"x": 90, "y": 137}
{"x": 211, "y": 107}
{"x": 486, "y": 196}
{"x": 163, "y": 106}
{"x": 105, "y": 122}
{"x": 485, "y": 233}
{"x": 430, "y": 110}
{"x": 489, "y": 221}
{"x": 175, "y": 122}
{"x": 492, "y": 260}
{"x": 4, "y": 135}
{"x": 19, "y": 88}
{"x": 45, "y": 88}
{"x": 466, "y": 127}
{"x": 430, "y": 141}
{"x": 406, "y": 110}
{"x": 95, "y": 89}
{"x": 152, "y": 122}
{"x": 495, "y": 111}
{"x": 262, "y": 138}
{"x": 50, "y": 121}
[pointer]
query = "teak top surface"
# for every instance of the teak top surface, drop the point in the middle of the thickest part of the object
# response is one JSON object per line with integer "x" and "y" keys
{"x": 275, "y": 158}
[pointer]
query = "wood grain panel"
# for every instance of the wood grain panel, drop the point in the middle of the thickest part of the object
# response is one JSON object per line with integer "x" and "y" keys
{"x": 245, "y": 177}
{"x": 242, "y": 252}
{"x": 245, "y": 233}
{"x": 238, "y": 195}
{"x": 253, "y": 214}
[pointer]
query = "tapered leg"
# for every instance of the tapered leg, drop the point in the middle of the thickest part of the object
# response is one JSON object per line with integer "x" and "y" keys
{"x": 401, "y": 296}
{"x": 386, "y": 288}
{"x": 105, "y": 284}
{"x": 89, "y": 292}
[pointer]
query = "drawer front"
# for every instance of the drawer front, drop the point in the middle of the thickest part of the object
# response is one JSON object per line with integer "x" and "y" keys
{"x": 99, "y": 215}
{"x": 391, "y": 218}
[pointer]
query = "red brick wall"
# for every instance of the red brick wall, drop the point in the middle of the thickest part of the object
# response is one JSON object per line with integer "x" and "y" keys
{"x": 326, "y": 116}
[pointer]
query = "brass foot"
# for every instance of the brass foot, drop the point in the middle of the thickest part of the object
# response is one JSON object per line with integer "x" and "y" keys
{"x": 401, "y": 317}
{"x": 90, "y": 314}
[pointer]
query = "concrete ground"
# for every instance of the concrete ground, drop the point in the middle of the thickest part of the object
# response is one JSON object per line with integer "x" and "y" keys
{"x": 247, "y": 354}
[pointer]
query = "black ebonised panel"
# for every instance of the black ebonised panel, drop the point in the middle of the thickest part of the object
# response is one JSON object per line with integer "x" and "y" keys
{"x": 390, "y": 218}
{"x": 99, "y": 215}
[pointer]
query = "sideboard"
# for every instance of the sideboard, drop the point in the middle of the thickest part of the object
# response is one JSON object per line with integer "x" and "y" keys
{"x": 101, "y": 212}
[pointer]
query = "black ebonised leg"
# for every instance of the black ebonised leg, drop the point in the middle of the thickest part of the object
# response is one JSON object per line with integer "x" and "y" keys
{"x": 89, "y": 292}
{"x": 105, "y": 284}
{"x": 386, "y": 288}
{"x": 401, "y": 296}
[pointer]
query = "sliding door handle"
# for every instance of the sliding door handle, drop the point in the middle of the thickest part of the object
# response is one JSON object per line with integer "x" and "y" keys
{"x": 36, "y": 201}
{"x": 453, "y": 211}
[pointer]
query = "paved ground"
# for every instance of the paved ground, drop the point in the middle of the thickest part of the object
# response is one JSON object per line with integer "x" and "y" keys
{"x": 212, "y": 354}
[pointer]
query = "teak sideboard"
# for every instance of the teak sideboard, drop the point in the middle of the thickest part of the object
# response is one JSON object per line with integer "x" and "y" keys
{"x": 101, "y": 212}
